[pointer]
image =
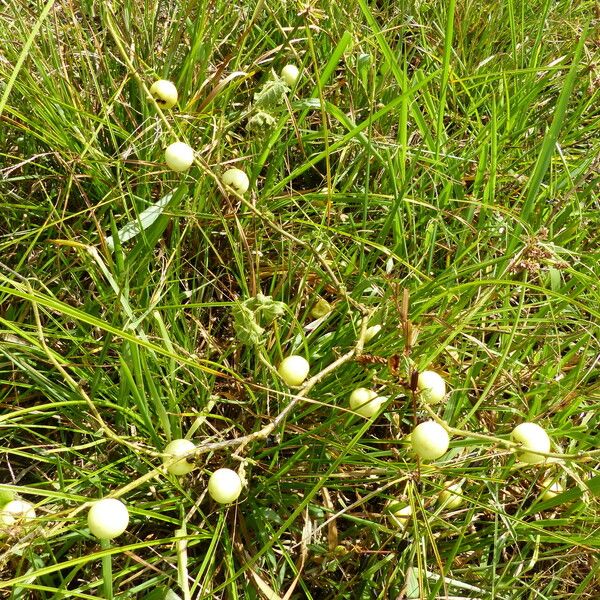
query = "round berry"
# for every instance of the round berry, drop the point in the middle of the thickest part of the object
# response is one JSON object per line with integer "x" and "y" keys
{"x": 430, "y": 440}
{"x": 533, "y": 440}
{"x": 366, "y": 402}
{"x": 399, "y": 514}
{"x": 224, "y": 486}
{"x": 451, "y": 496}
{"x": 108, "y": 518}
{"x": 293, "y": 369}
{"x": 164, "y": 92}
{"x": 16, "y": 512}
{"x": 431, "y": 387}
{"x": 175, "y": 449}
{"x": 179, "y": 156}
{"x": 237, "y": 180}
{"x": 290, "y": 74}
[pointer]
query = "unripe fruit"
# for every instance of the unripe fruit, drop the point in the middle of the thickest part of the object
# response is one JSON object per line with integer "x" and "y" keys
{"x": 224, "y": 486}
{"x": 533, "y": 438}
{"x": 451, "y": 496}
{"x": 179, "y": 156}
{"x": 108, "y": 518}
{"x": 173, "y": 450}
{"x": 16, "y": 512}
{"x": 551, "y": 488}
{"x": 366, "y": 402}
{"x": 237, "y": 180}
{"x": 290, "y": 74}
{"x": 429, "y": 440}
{"x": 399, "y": 514}
{"x": 431, "y": 387}
{"x": 371, "y": 332}
{"x": 164, "y": 92}
{"x": 320, "y": 309}
{"x": 293, "y": 369}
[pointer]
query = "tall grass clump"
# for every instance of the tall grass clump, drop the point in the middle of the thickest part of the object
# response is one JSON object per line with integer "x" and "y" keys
{"x": 421, "y": 195}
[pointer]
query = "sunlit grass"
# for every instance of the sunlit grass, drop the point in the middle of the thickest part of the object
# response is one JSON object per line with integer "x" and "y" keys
{"x": 435, "y": 171}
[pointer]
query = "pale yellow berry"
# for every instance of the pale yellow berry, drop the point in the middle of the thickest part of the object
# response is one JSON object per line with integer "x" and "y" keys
{"x": 175, "y": 449}
{"x": 179, "y": 156}
{"x": 224, "y": 486}
{"x": 237, "y": 180}
{"x": 399, "y": 514}
{"x": 16, "y": 512}
{"x": 293, "y": 369}
{"x": 164, "y": 92}
{"x": 451, "y": 496}
{"x": 429, "y": 440}
{"x": 533, "y": 440}
{"x": 290, "y": 74}
{"x": 431, "y": 387}
{"x": 366, "y": 402}
{"x": 108, "y": 518}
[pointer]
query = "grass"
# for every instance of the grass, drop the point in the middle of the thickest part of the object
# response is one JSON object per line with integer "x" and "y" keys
{"x": 434, "y": 171}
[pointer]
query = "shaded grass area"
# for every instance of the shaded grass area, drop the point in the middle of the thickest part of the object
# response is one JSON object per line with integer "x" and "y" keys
{"x": 436, "y": 169}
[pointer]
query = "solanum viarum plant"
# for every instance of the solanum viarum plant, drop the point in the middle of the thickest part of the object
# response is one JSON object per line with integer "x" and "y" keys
{"x": 108, "y": 518}
{"x": 366, "y": 402}
{"x": 164, "y": 92}
{"x": 179, "y": 156}
{"x": 224, "y": 486}
{"x": 293, "y": 369}
{"x": 429, "y": 440}
{"x": 431, "y": 387}
{"x": 533, "y": 439}
{"x": 237, "y": 180}
{"x": 179, "y": 448}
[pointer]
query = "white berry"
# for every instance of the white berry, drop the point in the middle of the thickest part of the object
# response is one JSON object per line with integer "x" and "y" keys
{"x": 290, "y": 74}
{"x": 224, "y": 486}
{"x": 399, "y": 514}
{"x": 179, "y": 156}
{"x": 533, "y": 439}
{"x": 430, "y": 440}
{"x": 293, "y": 369}
{"x": 366, "y": 402}
{"x": 371, "y": 332}
{"x": 16, "y": 512}
{"x": 551, "y": 488}
{"x": 164, "y": 92}
{"x": 108, "y": 518}
{"x": 451, "y": 496}
{"x": 431, "y": 386}
{"x": 237, "y": 180}
{"x": 175, "y": 449}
